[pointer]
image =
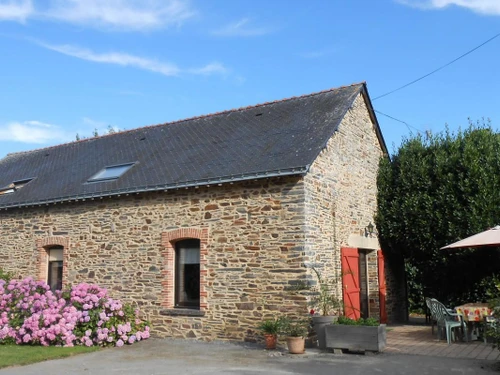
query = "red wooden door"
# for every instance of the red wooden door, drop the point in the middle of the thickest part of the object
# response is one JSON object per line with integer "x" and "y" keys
{"x": 382, "y": 287}
{"x": 350, "y": 282}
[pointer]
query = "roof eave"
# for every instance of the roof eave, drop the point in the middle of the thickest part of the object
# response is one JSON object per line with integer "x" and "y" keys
{"x": 296, "y": 171}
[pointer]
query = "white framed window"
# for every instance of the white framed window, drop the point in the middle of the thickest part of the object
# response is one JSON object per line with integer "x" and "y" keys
{"x": 16, "y": 185}
{"x": 110, "y": 173}
{"x": 187, "y": 274}
{"x": 55, "y": 268}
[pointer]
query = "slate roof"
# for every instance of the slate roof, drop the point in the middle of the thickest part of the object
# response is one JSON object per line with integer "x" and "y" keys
{"x": 271, "y": 139}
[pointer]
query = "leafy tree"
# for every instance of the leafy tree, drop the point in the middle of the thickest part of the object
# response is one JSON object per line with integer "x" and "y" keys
{"x": 95, "y": 132}
{"x": 435, "y": 190}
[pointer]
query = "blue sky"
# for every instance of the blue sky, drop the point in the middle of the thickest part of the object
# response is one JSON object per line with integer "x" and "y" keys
{"x": 70, "y": 66}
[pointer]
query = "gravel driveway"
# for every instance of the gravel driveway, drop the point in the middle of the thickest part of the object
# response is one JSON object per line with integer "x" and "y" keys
{"x": 164, "y": 356}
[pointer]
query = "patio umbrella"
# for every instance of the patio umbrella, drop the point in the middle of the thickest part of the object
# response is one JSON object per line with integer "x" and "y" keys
{"x": 490, "y": 237}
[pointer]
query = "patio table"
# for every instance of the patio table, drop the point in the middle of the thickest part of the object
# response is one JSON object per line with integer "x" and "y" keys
{"x": 473, "y": 314}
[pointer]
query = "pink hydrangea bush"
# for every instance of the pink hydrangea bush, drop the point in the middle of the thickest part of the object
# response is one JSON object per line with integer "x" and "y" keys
{"x": 30, "y": 313}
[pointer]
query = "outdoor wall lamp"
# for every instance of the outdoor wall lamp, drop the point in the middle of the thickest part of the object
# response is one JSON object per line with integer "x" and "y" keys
{"x": 370, "y": 230}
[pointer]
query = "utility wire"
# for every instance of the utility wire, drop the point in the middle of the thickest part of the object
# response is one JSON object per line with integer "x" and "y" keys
{"x": 436, "y": 70}
{"x": 398, "y": 120}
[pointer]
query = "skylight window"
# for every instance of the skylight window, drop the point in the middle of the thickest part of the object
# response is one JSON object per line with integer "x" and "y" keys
{"x": 111, "y": 173}
{"x": 16, "y": 185}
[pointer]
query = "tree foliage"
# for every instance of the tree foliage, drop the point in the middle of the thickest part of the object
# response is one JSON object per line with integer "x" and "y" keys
{"x": 435, "y": 190}
{"x": 95, "y": 133}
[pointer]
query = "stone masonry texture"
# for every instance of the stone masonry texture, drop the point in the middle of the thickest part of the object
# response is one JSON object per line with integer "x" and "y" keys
{"x": 258, "y": 239}
{"x": 341, "y": 196}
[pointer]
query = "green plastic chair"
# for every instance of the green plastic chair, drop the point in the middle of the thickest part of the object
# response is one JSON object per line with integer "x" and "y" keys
{"x": 428, "y": 302}
{"x": 448, "y": 321}
{"x": 490, "y": 323}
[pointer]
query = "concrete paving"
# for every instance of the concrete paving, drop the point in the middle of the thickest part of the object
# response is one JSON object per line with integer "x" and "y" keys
{"x": 156, "y": 357}
{"x": 417, "y": 339}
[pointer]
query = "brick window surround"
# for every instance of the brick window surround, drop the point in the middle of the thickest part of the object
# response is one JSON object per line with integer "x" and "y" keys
{"x": 42, "y": 247}
{"x": 168, "y": 240}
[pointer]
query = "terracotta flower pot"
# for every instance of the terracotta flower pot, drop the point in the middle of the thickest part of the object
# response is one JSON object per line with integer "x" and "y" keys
{"x": 295, "y": 344}
{"x": 270, "y": 341}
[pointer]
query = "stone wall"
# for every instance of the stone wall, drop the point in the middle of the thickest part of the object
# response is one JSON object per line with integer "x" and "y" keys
{"x": 341, "y": 196}
{"x": 256, "y": 239}
{"x": 254, "y": 249}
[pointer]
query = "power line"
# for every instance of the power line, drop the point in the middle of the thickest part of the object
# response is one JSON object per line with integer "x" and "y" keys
{"x": 398, "y": 120}
{"x": 436, "y": 70}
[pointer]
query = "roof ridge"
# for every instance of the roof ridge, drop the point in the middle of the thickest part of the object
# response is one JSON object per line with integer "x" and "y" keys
{"x": 189, "y": 119}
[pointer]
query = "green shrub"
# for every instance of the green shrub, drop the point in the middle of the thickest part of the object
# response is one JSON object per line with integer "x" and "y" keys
{"x": 6, "y": 276}
{"x": 324, "y": 299}
{"x": 437, "y": 189}
{"x": 493, "y": 329}
{"x": 271, "y": 326}
{"x": 294, "y": 327}
{"x": 358, "y": 322}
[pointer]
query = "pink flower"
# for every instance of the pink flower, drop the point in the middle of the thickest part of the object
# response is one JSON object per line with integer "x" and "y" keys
{"x": 45, "y": 318}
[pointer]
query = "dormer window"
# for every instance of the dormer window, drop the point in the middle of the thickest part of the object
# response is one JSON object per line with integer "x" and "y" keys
{"x": 16, "y": 185}
{"x": 112, "y": 172}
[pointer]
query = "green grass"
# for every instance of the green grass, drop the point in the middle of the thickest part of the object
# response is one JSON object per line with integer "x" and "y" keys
{"x": 18, "y": 355}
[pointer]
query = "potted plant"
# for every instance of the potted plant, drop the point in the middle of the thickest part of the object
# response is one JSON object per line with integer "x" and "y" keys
{"x": 325, "y": 306}
{"x": 295, "y": 331}
{"x": 270, "y": 329}
{"x": 358, "y": 335}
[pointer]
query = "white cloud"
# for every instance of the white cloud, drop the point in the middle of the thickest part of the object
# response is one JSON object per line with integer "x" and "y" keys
{"x": 38, "y": 132}
{"x": 491, "y": 7}
{"x": 31, "y": 132}
{"x": 116, "y": 58}
{"x": 12, "y": 10}
{"x": 241, "y": 28}
{"x": 125, "y": 59}
{"x": 213, "y": 68}
{"x": 120, "y": 15}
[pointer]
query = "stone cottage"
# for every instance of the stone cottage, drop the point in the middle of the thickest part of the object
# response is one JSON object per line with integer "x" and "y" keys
{"x": 205, "y": 223}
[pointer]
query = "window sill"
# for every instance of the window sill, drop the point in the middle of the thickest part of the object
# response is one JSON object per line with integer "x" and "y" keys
{"x": 182, "y": 312}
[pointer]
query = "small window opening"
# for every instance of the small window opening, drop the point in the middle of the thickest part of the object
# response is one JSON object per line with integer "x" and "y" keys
{"x": 111, "y": 173}
{"x": 16, "y": 185}
{"x": 258, "y": 114}
{"x": 55, "y": 271}
{"x": 187, "y": 274}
